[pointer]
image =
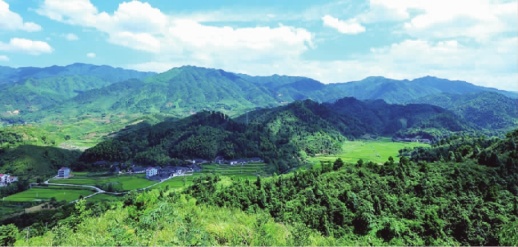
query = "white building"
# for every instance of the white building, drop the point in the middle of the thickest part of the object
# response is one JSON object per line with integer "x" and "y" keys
{"x": 151, "y": 171}
{"x": 64, "y": 172}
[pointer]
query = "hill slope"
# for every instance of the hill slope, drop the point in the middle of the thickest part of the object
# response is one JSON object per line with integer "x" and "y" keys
{"x": 487, "y": 110}
{"x": 282, "y": 136}
{"x": 26, "y": 90}
{"x": 79, "y": 91}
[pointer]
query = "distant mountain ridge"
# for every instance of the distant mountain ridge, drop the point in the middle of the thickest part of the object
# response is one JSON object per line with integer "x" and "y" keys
{"x": 102, "y": 71}
{"x": 488, "y": 110}
{"x": 31, "y": 89}
{"x": 79, "y": 89}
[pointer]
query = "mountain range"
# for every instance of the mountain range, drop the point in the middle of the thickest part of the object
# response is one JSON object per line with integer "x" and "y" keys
{"x": 80, "y": 90}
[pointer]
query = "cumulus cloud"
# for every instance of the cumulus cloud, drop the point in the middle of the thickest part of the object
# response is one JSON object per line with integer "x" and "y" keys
{"x": 351, "y": 26}
{"x": 70, "y": 37}
{"x": 442, "y": 19}
{"x": 4, "y": 58}
{"x": 12, "y": 21}
{"x": 91, "y": 55}
{"x": 140, "y": 26}
{"x": 33, "y": 47}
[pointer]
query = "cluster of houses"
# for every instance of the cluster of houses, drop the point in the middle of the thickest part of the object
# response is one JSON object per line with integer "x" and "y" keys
{"x": 406, "y": 139}
{"x": 162, "y": 173}
{"x": 220, "y": 160}
{"x": 6, "y": 179}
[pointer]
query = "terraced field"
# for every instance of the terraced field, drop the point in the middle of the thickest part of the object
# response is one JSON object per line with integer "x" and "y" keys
{"x": 45, "y": 194}
{"x": 128, "y": 182}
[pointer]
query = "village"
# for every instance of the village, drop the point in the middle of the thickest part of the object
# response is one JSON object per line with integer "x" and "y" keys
{"x": 157, "y": 173}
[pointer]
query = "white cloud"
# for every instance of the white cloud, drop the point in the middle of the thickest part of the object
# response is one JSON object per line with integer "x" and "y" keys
{"x": 13, "y": 21}
{"x": 140, "y": 26}
{"x": 382, "y": 10}
{"x": 70, "y": 37}
{"x": 351, "y": 26}
{"x": 443, "y": 19}
{"x": 33, "y": 47}
{"x": 91, "y": 55}
{"x": 4, "y": 58}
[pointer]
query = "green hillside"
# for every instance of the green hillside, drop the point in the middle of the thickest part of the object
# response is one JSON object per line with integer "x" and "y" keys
{"x": 74, "y": 91}
{"x": 283, "y": 136}
{"x": 487, "y": 110}
{"x": 32, "y": 90}
{"x": 405, "y": 202}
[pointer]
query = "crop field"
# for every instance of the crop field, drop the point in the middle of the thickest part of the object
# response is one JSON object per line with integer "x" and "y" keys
{"x": 45, "y": 194}
{"x": 129, "y": 182}
{"x": 377, "y": 151}
{"x": 244, "y": 171}
{"x": 178, "y": 182}
{"x": 103, "y": 197}
{"x": 247, "y": 171}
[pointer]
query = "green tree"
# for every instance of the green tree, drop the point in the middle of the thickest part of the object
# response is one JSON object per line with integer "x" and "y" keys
{"x": 338, "y": 164}
{"x": 8, "y": 234}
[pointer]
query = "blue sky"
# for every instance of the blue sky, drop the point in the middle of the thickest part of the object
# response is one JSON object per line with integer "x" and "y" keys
{"x": 331, "y": 41}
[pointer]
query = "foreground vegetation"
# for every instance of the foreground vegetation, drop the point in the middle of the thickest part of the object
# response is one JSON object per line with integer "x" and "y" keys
{"x": 405, "y": 202}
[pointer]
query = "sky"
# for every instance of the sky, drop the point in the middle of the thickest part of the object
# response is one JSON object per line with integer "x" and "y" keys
{"x": 330, "y": 41}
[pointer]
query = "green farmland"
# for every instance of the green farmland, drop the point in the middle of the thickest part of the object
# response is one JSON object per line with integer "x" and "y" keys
{"x": 377, "y": 151}
{"x": 247, "y": 171}
{"x": 128, "y": 182}
{"x": 45, "y": 194}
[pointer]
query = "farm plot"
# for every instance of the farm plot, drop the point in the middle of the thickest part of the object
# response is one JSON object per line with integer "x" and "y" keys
{"x": 247, "y": 171}
{"x": 127, "y": 182}
{"x": 46, "y": 193}
{"x": 240, "y": 171}
{"x": 377, "y": 151}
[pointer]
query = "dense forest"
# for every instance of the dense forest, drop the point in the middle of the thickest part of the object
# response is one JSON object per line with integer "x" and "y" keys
{"x": 405, "y": 201}
{"x": 282, "y": 136}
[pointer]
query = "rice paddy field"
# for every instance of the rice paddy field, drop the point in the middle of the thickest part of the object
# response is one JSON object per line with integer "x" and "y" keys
{"x": 129, "y": 182}
{"x": 45, "y": 194}
{"x": 377, "y": 151}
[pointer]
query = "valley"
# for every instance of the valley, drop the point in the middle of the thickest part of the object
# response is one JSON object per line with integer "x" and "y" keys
{"x": 328, "y": 147}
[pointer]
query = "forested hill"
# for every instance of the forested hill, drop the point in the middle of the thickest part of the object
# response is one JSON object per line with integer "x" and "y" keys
{"x": 405, "y": 202}
{"x": 26, "y": 90}
{"x": 282, "y": 136}
{"x": 458, "y": 200}
{"x": 80, "y": 90}
{"x": 487, "y": 110}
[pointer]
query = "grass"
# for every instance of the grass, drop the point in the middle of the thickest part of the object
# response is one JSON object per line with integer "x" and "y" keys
{"x": 103, "y": 198}
{"x": 45, "y": 194}
{"x": 248, "y": 171}
{"x": 239, "y": 171}
{"x": 377, "y": 151}
{"x": 129, "y": 182}
{"x": 178, "y": 182}
{"x": 8, "y": 210}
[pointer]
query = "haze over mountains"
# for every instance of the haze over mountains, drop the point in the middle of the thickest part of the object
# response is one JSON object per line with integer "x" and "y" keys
{"x": 39, "y": 94}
